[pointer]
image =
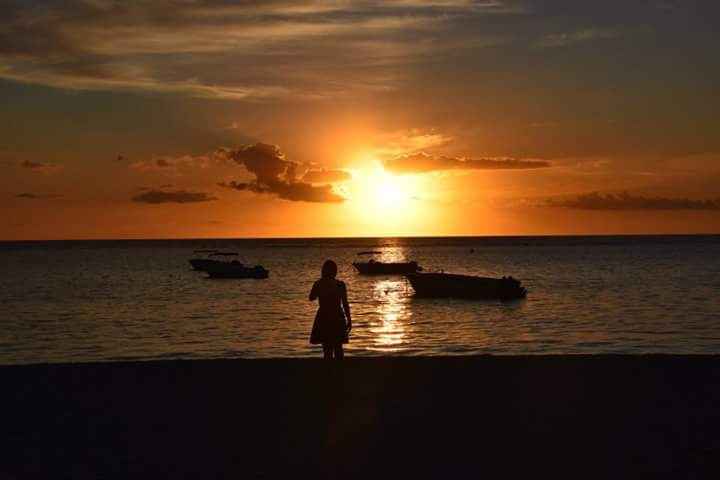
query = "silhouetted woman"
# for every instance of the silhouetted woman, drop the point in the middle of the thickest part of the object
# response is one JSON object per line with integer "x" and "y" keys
{"x": 332, "y": 321}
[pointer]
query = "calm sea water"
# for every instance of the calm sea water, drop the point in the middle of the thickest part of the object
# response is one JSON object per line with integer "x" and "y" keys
{"x": 110, "y": 300}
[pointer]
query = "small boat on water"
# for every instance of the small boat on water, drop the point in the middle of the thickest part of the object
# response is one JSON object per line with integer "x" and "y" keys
{"x": 370, "y": 252}
{"x": 202, "y": 264}
{"x": 449, "y": 285}
{"x": 236, "y": 269}
{"x": 374, "y": 267}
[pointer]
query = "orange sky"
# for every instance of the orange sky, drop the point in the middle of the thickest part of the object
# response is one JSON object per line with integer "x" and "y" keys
{"x": 209, "y": 119}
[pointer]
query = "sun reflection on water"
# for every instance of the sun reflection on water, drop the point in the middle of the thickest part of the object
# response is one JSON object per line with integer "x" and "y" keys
{"x": 389, "y": 332}
{"x": 396, "y": 254}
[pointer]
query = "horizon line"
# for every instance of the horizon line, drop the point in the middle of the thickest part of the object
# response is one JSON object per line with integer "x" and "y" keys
{"x": 338, "y": 237}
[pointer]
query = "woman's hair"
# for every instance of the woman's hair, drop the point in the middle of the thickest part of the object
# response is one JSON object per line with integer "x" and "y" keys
{"x": 329, "y": 269}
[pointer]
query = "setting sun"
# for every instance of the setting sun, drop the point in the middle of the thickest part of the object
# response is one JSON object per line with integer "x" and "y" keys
{"x": 374, "y": 188}
{"x": 379, "y": 200}
{"x": 388, "y": 191}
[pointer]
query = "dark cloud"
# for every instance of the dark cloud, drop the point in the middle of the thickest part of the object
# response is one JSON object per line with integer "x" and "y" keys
{"x": 40, "y": 167}
{"x": 627, "y": 201}
{"x": 326, "y": 176}
{"x": 275, "y": 175}
{"x": 177, "y": 196}
{"x": 83, "y": 44}
{"x": 424, "y": 162}
{"x": 296, "y": 192}
{"x": 38, "y": 196}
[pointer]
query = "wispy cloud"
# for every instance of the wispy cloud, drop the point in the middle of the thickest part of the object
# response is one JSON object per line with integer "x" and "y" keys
{"x": 579, "y": 36}
{"x": 175, "y": 196}
{"x": 174, "y": 164}
{"x": 38, "y": 196}
{"x": 395, "y": 144}
{"x": 627, "y": 201}
{"x": 215, "y": 49}
{"x": 423, "y": 162}
{"x": 40, "y": 167}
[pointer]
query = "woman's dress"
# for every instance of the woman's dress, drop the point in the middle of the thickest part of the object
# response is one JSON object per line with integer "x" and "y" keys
{"x": 329, "y": 326}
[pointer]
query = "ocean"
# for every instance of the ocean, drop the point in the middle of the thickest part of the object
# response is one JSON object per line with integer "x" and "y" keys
{"x": 88, "y": 301}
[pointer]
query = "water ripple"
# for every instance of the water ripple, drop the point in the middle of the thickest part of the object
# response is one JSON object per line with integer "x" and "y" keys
{"x": 141, "y": 301}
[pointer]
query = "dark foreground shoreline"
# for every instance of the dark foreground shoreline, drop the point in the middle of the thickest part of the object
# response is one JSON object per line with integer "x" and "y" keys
{"x": 458, "y": 417}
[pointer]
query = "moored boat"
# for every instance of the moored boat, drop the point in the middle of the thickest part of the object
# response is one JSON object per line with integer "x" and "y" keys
{"x": 466, "y": 286}
{"x": 374, "y": 267}
{"x": 236, "y": 269}
{"x": 202, "y": 264}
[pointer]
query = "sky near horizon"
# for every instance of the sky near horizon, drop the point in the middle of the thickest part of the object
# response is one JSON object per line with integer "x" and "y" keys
{"x": 209, "y": 118}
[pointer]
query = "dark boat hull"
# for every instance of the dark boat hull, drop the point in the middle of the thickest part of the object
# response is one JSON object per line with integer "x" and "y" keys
{"x": 235, "y": 271}
{"x": 446, "y": 285}
{"x": 380, "y": 268}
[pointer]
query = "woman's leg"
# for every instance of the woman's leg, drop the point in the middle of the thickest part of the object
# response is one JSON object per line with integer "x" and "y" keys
{"x": 327, "y": 351}
{"x": 339, "y": 354}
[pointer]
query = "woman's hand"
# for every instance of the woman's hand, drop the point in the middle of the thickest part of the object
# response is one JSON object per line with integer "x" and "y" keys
{"x": 314, "y": 291}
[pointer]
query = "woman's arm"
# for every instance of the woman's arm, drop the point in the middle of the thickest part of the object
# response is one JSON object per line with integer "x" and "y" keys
{"x": 346, "y": 307}
{"x": 313, "y": 292}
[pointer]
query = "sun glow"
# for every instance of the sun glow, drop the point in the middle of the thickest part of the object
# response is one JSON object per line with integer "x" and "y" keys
{"x": 387, "y": 190}
{"x": 382, "y": 202}
{"x": 376, "y": 189}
